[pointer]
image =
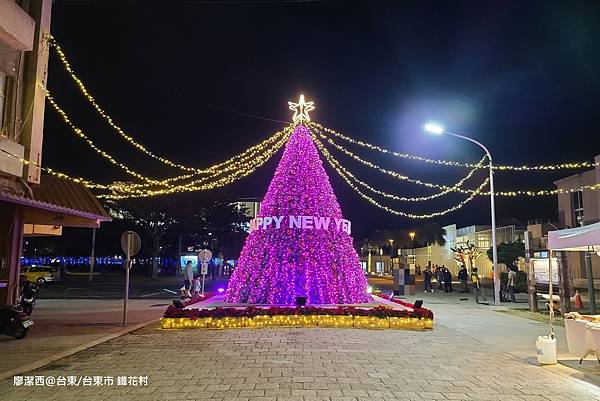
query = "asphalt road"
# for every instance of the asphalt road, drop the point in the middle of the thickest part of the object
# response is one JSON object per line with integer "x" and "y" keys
{"x": 112, "y": 286}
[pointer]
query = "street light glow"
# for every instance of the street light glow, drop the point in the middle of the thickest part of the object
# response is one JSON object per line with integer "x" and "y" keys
{"x": 434, "y": 128}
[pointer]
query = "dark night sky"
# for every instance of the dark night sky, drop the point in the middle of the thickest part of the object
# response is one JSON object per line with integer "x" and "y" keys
{"x": 521, "y": 77}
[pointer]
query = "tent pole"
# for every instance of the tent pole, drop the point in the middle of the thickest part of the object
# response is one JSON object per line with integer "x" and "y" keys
{"x": 551, "y": 301}
{"x": 590, "y": 282}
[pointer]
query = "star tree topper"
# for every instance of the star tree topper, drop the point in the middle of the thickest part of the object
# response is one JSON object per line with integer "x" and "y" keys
{"x": 301, "y": 110}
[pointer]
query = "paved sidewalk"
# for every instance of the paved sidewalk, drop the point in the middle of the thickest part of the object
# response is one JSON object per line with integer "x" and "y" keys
{"x": 473, "y": 353}
{"x": 62, "y": 325}
{"x": 287, "y": 364}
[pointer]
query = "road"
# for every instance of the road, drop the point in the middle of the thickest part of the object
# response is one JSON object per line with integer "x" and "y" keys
{"x": 111, "y": 286}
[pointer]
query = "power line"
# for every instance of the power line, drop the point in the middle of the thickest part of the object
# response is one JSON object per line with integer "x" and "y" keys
{"x": 201, "y": 101}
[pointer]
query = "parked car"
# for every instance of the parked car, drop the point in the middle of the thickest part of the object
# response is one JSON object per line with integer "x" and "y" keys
{"x": 41, "y": 274}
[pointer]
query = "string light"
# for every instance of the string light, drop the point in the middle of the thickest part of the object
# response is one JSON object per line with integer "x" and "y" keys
{"x": 58, "y": 174}
{"x": 193, "y": 186}
{"x": 109, "y": 119}
{"x": 336, "y": 165}
{"x": 101, "y": 152}
{"x": 562, "y": 166}
{"x": 238, "y": 161}
{"x": 391, "y": 210}
{"x": 396, "y": 174}
{"x": 239, "y": 173}
{"x": 446, "y": 189}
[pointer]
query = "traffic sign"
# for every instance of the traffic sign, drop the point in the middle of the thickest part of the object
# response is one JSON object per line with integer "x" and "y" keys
{"x": 204, "y": 255}
{"x": 131, "y": 243}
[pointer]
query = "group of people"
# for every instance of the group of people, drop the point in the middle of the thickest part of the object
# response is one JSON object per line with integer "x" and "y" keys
{"x": 191, "y": 282}
{"x": 443, "y": 276}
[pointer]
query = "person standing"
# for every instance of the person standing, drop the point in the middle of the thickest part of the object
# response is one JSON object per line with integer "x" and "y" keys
{"x": 439, "y": 276}
{"x": 447, "y": 279}
{"x": 511, "y": 284}
{"x": 463, "y": 277}
{"x": 188, "y": 279}
{"x": 427, "y": 277}
{"x": 476, "y": 283}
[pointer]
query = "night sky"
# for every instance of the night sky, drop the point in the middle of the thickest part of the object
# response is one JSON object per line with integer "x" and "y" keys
{"x": 522, "y": 77}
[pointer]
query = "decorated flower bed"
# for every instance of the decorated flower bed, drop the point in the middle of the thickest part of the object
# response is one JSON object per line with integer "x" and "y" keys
{"x": 379, "y": 317}
{"x": 421, "y": 311}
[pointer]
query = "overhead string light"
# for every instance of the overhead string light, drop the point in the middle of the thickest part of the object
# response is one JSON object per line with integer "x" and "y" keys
{"x": 58, "y": 174}
{"x": 65, "y": 62}
{"x": 446, "y": 189}
{"x": 235, "y": 175}
{"x": 101, "y": 152}
{"x": 239, "y": 161}
{"x": 543, "y": 167}
{"x": 389, "y": 209}
{"x": 396, "y": 174}
{"x": 253, "y": 165}
{"x": 336, "y": 165}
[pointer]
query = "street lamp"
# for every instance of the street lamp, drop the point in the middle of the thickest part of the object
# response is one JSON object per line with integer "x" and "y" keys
{"x": 438, "y": 129}
{"x": 412, "y": 235}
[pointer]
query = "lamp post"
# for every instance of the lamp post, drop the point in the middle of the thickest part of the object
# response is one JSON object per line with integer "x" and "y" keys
{"x": 412, "y": 235}
{"x": 392, "y": 252}
{"x": 438, "y": 129}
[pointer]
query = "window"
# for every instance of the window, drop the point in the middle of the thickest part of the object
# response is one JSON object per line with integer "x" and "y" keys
{"x": 363, "y": 265}
{"x": 577, "y": 207}
{"x": 379, "y": 266}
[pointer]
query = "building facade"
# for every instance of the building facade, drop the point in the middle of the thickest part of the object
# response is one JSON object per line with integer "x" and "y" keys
{"x": 381, "y": 264}
{"x": 579, "y": 208}
{"x": 478, "y": 235}
{"x": 29, "y": 203}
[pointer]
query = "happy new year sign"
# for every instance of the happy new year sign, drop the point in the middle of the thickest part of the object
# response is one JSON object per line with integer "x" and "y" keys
{"x": 300, "y": 222}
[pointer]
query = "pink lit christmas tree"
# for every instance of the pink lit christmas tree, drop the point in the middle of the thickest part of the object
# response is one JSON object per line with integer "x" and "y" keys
{"x": 278, "y": 265}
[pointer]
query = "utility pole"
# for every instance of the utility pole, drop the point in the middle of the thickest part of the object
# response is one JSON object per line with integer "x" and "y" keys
{"x": 93, "y": 254}
{"x": 531, "y": 291}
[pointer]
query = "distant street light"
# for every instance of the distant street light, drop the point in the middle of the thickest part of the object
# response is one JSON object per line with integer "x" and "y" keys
{"x": 438, "y": 129}
{"x": 412, "y": 235}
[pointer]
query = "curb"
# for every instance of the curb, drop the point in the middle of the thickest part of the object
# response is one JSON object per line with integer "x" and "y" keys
{"x": 60, "y": 355}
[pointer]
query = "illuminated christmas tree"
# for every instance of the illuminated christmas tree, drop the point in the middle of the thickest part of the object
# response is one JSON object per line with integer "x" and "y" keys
{"x": 299, "y": 244}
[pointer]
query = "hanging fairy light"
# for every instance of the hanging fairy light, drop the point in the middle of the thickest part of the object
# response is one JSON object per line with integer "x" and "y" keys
{"x": 542, "y": 167}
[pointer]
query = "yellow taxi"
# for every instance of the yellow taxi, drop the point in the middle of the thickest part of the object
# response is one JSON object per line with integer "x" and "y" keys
{"x": 41, "y": 274}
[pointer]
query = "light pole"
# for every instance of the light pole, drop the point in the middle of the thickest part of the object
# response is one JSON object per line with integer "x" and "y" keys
{"x": 438, "y": 129}
{"x": 412, "y": 235}
{"x": 392, "y": 252}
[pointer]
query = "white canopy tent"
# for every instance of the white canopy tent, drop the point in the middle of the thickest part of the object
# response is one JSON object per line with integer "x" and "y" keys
{"x": 582, "y": 239}
{"x": 579, "y": 239}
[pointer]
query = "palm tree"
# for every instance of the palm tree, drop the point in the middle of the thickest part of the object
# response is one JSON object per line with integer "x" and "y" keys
{"x": 431, "y": 233}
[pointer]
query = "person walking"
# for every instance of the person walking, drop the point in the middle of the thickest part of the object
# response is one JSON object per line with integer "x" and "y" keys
{"x": 463, "y": 277}
{"x": 427, "y": 277}
{"x": 188, "y": 279}
{"x": 510, "y": 285}
{"x": 447, "y": 279}
{"x": 476, "y": 283}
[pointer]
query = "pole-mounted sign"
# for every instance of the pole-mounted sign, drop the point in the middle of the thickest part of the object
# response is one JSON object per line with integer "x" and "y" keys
{"x": 131, "y": 244}
{"x": 204, "y": 256}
